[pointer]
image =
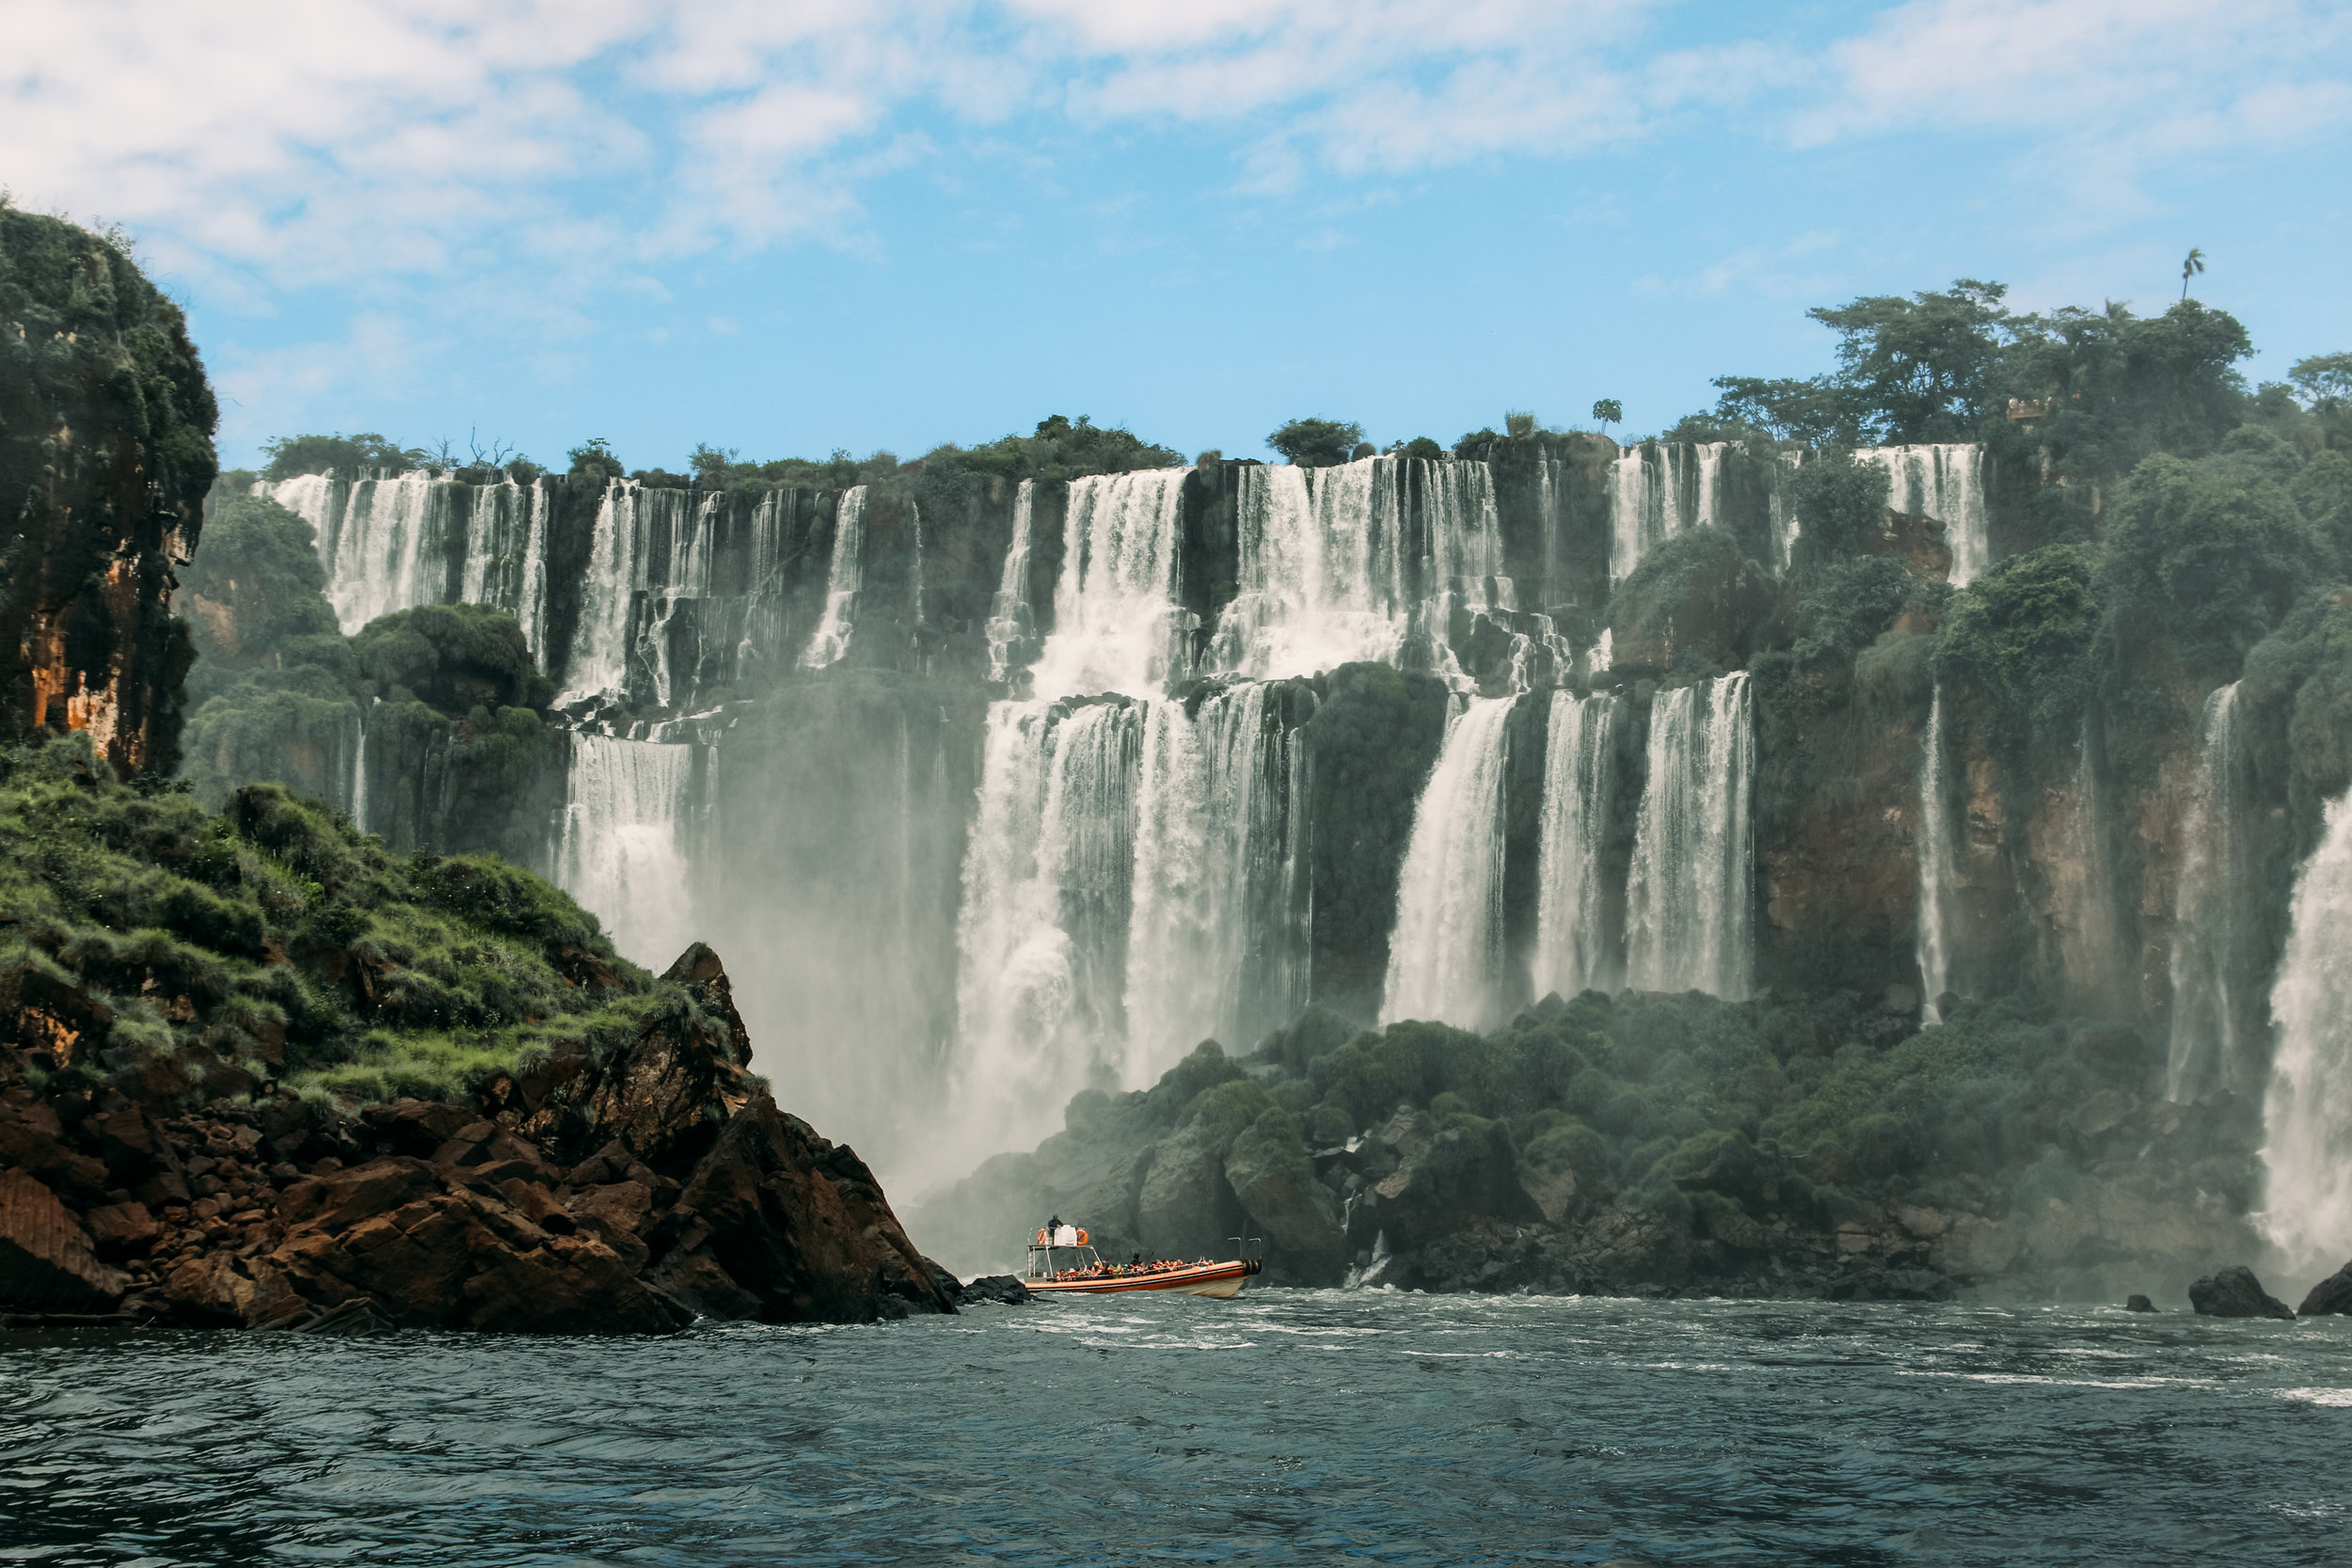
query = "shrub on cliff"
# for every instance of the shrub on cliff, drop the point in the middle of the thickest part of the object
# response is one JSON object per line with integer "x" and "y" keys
{"x": 275, "y": 936}
{"x": 2025, "y": 632}
{"x": 351, "y": 456}
{"x": 1842, "y": 503}
{"x": 2209, "y": 556}
{"x": 454, "y": 658}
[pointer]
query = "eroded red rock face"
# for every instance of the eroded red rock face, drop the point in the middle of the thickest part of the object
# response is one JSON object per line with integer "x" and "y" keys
{"x": 627, "y": 1196}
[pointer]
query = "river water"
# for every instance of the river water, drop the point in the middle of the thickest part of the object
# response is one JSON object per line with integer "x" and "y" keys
{"x": 1285, "y": 1427}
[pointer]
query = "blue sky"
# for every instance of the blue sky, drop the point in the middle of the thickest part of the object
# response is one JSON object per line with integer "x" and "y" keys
{"x": 788, "y": 227}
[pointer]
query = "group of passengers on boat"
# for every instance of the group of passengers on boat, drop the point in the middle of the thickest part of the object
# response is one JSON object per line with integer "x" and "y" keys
{"x": 1134, "y": 1269}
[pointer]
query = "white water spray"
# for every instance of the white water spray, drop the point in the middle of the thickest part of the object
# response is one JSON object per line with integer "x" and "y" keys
{"x": 624, "y": 848}
{"x": 1937, "y": 871}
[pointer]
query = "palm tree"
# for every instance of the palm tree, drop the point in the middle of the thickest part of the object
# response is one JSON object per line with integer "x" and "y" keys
{"x": 2190, "y": 268}
{"x": 1607, "y": 411}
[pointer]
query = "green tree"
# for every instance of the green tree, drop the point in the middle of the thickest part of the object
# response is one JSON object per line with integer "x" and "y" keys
{"x": 2211, "y": 555}
{"x": 348, "y": 455}
{"x": 1317, "y": 442}
{"x": 2324, "y": 380}
{"x": 595, "y": 458}
{"x": 2025, "y": 632}
{"x": 1817, "y": 411}
{"x": 1839, "y": 503}
{"x": 2191, "y": 265}
{"x": 1921, "y": 367}
{"x": 1608, "y": 411}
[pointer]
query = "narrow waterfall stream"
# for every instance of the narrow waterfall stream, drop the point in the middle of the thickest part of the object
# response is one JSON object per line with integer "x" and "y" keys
{"x": 1944, "y": 482}
{"x": 1009, "y": 623}
{"x": 1576, "y": 944}
{"x": 845, "y": 577}
{"x": 1937, "y": 871}
{"x": 2211, "y": 913}
{"x": 1689, "y": 920}
{"x": 1446, "y": 960}
{"x": 625, "y": 850}
{"x": 2307, "y": 1114}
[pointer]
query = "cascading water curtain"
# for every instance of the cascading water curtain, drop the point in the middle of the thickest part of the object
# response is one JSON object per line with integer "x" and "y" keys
{"x": 1937, "y": 871}
{"x": 1689, "y": 915}
{"x": 626, "y": 838}
{"x": 2307, "y": 1114}
{"x": 2211, "y": 915}
{"x": 847, "y": 574}
{"x": 1446, "y": 958}
{"x": 1577, "y": 945}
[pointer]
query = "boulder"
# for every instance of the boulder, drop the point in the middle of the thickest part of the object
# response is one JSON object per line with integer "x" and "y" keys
{"x": 1001, "y": 1288}
{"x": 2332, "y": 1294}
{"x": 1186, "y": 1208}
{"x": 2234, "y": 1292}
{"x": 1271, "y": 1174}
{"x": 47, "y": 1263}
{"x": 2138, "y": 1304}
{"x": 1468, "y": 1171}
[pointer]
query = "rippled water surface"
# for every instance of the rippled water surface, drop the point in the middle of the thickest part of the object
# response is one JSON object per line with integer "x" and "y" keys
{"x": 1288, "y": 1426}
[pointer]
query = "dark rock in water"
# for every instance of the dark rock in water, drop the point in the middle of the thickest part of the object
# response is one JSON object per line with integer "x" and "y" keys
{"x": 2234, "y": 1292}
{"x": 2332, "y": 1294}
{"x": 1001, "y": 1288}
{"x": 46, "y": 1260}
{"x": 2138, "y": 1304}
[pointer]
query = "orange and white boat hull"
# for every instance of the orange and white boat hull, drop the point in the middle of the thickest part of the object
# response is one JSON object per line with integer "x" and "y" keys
{"x": 1220, "y": 1280}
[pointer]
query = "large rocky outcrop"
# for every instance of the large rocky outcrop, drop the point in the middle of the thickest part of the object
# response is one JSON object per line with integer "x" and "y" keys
{"x": 629, "y": 1194}
{"x": 2234, "y": 1292}
{"x": 105, "y": 454}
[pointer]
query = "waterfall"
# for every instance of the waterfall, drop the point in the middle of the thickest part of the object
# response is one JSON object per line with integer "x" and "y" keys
{"x": 530, "y": 608}
{"x": 359, "y": 771}
{"x": 1042, "y": 933}
{"x": 1643, "y": 508}
{"x": 2307, "y": 1114}
{"x": 599, "y": 661}
{"x": 1118, "y": 626}
{"x": 1577, "y": 945}
{"x": 1944, "y": 483}
{"x": 379, "y": 539}
{"x": 830, "y": 640}
{"x": 1706, "y": 504}
{"x": 623, "y": 851}
{"x": 1009, "y": 623}
{"x": 1445, "y": 959}
{"x": 1936, "y": 870}
{"x": 1687, "y": 916}
{"x": 1353, "y": 562}
{"x": 1214, "y": 949}
{"x": 2211, "y": 917}
{"x": 1781, "y": 506}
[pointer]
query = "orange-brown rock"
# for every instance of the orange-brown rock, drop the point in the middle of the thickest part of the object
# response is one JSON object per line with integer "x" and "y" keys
{"x": 47, "y": 1263}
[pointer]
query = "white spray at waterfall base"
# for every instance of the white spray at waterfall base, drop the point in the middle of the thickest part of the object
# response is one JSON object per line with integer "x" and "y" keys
{"x": 1445, "y": 961}
{"x": 2307, "y": 1114}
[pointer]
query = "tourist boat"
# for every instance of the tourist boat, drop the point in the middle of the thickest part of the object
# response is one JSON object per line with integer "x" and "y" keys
{"x": 1063, "y": 1263}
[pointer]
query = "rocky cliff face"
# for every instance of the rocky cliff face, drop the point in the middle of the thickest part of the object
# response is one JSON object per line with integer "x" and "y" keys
{"x": 622, "y": 1194}
{"x": 105, "y": 455}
